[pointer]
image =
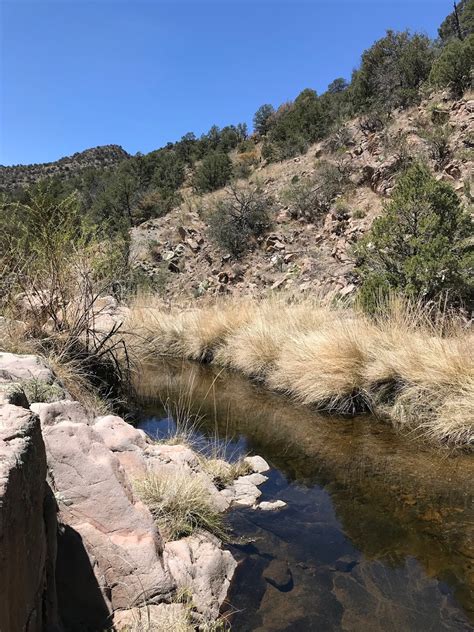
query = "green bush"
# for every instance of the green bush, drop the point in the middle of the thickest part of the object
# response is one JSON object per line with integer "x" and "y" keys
{"x": 453, "y": 68}
{"x": 154, "y": 204}
{"x": 168, "y": 174}
{"x": 213, "y": 173}
{"x": 391, "y": 72}
{"x": 236, "y": 220}
{"x": 295, "y": 127}
{"x": 419, "y": 246}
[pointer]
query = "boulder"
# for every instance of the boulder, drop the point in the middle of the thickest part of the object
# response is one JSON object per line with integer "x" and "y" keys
{"x": 257, "y": 463}
{"x": 199, "y": 564}
{"x": 64, "y": 410}
{"x": 14, "y": 368}
{"x": 267, "y": 505}
{"x": 244, "y": 490}
{"x": 105, "y": 522}
{"x": 118, "y": 435}
{"x": 27, "y": 526}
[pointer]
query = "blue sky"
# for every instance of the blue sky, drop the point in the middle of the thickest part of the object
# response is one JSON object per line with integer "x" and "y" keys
{"x": 76, "y": 74}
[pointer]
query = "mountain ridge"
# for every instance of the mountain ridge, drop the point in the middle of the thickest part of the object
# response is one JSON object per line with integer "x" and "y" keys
{"x": 101, "y": 156}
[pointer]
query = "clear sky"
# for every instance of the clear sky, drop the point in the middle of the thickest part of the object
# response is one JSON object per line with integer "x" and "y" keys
{"x": 76, "y": 74}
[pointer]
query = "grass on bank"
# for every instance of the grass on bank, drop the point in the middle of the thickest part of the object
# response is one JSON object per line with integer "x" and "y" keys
{"x": 406, "y": 364}
{"x": 180, "y": 504}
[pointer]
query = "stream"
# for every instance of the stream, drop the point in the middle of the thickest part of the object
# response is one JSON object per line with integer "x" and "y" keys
{"x": 377, "y": 534}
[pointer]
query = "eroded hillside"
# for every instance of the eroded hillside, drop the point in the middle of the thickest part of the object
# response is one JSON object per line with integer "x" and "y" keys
{"x": 177, "y": 253}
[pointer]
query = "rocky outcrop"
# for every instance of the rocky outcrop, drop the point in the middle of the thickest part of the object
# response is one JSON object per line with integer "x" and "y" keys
{"x": 78, "y": 548}
{"x": 27, "y": 526}
{"x": 116, "y": 530}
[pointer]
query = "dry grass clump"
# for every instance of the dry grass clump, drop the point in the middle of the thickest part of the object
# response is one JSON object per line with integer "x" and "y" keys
{"x": 222, "y": 472}
{"x": 174, "y": 617}
{"x": 410, "y": 364}
{"x": 195, "y": 334}
{"x": 324, "y": 368}
{"x": 180, "y": 504}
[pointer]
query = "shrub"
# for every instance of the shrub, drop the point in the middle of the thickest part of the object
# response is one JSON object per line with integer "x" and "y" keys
{"x": 37, "y": 391}
{"x": 168, "y": 173}
{"x": 236, "y": 220}
{"x": 154, "y": 204}
{"x": 453, "y": 68}
{"x": 222, "y": 472}
{"x": 437, "y": 138}
{"x": 213, "y": 173}
{"x": 419, "y": 245}
{"x": 181, "y": 503}
{"x": 244, "y": 163}
{"x": 340, "y": 140}
{"x": 311, "y": 198}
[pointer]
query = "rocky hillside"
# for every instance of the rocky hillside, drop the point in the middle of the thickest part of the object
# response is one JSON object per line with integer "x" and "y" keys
{"x": 102, "y": 157}
{"x": 298, "y": 255}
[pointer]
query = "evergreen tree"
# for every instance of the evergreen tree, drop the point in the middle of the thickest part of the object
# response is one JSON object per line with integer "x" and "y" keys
{"x": 420, "y": 243}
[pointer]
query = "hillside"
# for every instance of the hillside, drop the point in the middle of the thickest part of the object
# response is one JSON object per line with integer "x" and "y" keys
{"x": 17, "y": 176}
{"x": 178, "y": 256}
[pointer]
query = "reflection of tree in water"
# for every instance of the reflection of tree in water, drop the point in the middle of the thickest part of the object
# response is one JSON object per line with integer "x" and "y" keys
{"x": 394, "y": 497}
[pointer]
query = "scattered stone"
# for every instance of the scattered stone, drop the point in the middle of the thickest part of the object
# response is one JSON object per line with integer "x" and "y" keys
{"x": 271, "y": 505}
{"x": 193, "y": 245}
{"x": 257, "y": 463}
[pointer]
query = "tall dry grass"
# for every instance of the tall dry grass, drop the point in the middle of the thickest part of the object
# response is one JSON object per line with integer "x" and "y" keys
{"x": 409, "y": 365}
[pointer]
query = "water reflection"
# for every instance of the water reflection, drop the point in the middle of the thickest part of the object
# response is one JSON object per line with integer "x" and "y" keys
{"x": 378, "y": 530}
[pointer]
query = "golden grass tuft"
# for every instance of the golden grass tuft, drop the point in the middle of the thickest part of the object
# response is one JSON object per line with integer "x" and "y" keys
{"x": 181, "y": 503}
{"x": 409, "y": 364}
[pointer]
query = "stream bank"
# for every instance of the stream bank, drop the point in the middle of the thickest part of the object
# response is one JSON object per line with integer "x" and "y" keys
{"x": 378, "y": 529}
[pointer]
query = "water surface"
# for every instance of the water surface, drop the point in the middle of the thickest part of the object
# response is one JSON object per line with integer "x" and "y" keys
{"x": 377, "y": 534}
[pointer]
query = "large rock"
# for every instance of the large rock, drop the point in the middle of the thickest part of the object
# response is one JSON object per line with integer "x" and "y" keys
{"x": 64, "y": 410}
{"x": 15, "y": 368}
{"x": 200, "y": 565}
{"x": 26, "y": 377}
{"x": 27, "y": 526}
{"x": 109, "y": 533}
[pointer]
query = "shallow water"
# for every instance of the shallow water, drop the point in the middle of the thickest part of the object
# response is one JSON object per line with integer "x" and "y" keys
{"x": 378, "y": 532}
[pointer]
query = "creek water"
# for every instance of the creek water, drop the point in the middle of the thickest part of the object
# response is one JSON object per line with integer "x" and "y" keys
{"x": 377, "y": 534}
